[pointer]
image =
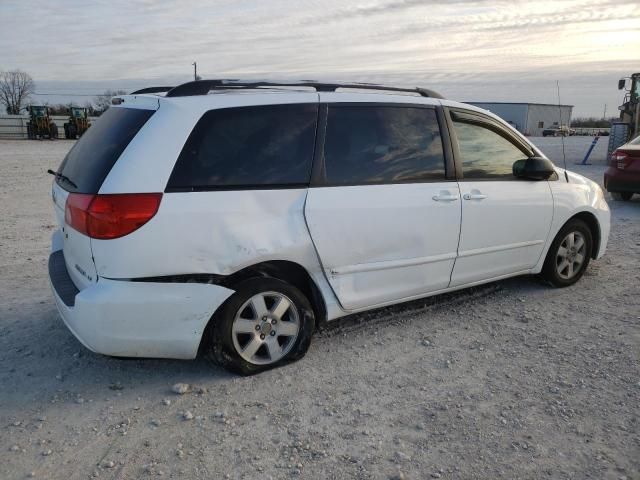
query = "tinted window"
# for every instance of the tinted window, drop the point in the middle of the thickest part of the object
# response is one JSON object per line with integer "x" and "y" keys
{"x": 90, "y": 160}
{"x": 485, "y": 154}
{"x": 248, "y": 146}
{"x": 382, "y": 144}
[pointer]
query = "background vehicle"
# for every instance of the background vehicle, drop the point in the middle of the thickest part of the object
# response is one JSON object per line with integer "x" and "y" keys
{"x": 622, "y": 178}
{"x": 270, "y": 208}
{"x": 556, "y": 131}
{"x": 78, "y": 122}
{"x": 627, "y": 128}
{"x": 40, "y": 124}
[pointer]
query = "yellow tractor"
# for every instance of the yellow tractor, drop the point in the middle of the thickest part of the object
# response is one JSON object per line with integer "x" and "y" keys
{"x": 628, "y": 126}
{"x": 78, "y": 122}
{"x": 40, "y": 124}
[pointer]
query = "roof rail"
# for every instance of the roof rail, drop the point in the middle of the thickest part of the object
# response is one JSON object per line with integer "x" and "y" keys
{"x": 202, "y": 87}
{"x": 151, "y": 90}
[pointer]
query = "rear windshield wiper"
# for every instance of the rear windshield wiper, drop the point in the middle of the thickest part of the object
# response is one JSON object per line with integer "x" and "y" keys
{"x": 63, "y": 177}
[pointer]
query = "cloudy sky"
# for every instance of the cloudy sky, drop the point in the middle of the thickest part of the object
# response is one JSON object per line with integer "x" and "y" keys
{"x": 468, "y": 50}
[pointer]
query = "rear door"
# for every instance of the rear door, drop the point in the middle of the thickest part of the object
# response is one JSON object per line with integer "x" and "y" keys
{"x": 383, "y": 209}
{"x": 82, "y": 172}
{"x": 505, "y": 220}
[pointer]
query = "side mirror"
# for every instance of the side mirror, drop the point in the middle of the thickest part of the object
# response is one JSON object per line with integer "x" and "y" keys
{"x": 622, "y": 83}
{"x": 533, "y": 168}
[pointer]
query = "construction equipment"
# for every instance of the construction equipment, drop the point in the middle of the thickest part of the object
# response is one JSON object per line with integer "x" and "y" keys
{"x": 40, "y": 124}
{"x": 78, "y": 122}
{"x": 627, "y": 127}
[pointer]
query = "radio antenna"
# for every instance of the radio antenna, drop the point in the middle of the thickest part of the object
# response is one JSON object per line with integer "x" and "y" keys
{"x": 564, "y": 155}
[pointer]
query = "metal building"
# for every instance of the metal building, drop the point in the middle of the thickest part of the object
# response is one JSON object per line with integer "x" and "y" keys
{"x": 529, "y": 118}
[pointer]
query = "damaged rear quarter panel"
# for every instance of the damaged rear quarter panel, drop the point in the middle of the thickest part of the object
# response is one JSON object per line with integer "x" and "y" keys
{"x": 218, "y": 232}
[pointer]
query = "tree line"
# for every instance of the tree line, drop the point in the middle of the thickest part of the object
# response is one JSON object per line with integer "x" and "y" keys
{"x": 16, "y": 88}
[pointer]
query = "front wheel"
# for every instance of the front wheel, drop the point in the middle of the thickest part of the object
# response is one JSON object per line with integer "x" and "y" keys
{"x": 569, "y": 254}
{"x": 265, "y": 324}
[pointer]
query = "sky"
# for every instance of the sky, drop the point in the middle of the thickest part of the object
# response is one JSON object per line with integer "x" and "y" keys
{"x": 466, "y": 50}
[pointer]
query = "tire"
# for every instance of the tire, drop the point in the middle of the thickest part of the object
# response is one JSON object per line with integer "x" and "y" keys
{"x": 568, "y": 259}
{"x": 242, "y": 341}
{"x": 73, "y": 132}
{"x": 622, "y": 196}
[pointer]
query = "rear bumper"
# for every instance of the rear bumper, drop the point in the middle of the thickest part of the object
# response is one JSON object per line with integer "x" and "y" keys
{"x": 135, "y": 319}
{"x": 616, "y": 180}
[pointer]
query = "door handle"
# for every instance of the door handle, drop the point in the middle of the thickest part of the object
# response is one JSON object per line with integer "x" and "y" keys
{"x": 445, "y": 197}
{"x": 474, "y": 196}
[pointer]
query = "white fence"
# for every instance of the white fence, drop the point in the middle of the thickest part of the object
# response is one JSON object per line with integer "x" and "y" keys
{"x": 15, "y": 126}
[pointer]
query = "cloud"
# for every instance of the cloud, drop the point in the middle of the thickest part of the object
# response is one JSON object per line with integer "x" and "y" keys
{"x": 459, "y": 42}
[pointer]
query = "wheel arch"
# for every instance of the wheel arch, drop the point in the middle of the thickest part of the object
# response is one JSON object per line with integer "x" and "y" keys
{"x": 285, "y": 270}
{"x": 594, "y": 226}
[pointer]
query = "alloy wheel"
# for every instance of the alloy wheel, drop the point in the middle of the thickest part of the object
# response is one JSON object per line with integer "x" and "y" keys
{"x": 570, "y": 255}
{"x": 265, "y": 328}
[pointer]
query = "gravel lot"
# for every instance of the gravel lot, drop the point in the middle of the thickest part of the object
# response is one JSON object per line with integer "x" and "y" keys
{"x": 510, "y": 380}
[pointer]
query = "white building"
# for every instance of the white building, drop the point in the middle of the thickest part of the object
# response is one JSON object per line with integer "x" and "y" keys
{"x": 529, "y": 118}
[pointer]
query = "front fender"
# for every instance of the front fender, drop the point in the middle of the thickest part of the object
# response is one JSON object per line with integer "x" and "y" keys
{"x": 579, "y": 195}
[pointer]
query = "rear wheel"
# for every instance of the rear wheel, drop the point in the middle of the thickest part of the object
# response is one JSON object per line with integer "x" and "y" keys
{"x": 569, "y": 254}
{"x": 625, "y": 196}
{"x": 265, "y": 324}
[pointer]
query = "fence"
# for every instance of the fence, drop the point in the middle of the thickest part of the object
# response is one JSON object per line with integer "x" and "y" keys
{"x": 15, "y": 126}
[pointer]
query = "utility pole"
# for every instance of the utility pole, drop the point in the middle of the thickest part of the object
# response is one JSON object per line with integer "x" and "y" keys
{"x": 195, "y": 70}
{"x": 604, "y": 115}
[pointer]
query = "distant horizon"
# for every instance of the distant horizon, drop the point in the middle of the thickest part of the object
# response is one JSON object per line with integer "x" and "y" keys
{"x": 482, "y": 50}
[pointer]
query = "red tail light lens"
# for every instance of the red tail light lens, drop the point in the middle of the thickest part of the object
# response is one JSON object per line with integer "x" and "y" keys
{"x": 620, "y": 160}
{"x": 110, "y": 216}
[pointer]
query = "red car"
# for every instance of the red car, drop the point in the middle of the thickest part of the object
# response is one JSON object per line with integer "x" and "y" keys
{"x": 622, "y": 178}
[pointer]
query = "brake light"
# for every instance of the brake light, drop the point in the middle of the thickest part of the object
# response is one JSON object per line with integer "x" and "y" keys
{"x": 620, "y": 160}
{"x": 110, "y": 216}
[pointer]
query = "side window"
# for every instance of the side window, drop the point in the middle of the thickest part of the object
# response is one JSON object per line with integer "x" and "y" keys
{"x": 485, "y": 154}
{"x": 249, "y": 146}
{"x": 370, "y": 144}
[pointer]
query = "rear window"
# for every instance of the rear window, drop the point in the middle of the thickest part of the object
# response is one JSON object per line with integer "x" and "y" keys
{"x": 270, "y": 145}
{"x": 90, "y": 160}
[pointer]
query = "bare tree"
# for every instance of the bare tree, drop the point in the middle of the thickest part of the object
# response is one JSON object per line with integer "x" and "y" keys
{"x": 103, "y": 101}
{"x": 15, "y": 87}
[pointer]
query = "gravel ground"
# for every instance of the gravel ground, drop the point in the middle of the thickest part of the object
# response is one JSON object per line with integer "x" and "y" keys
{"x": 509, "y": 380}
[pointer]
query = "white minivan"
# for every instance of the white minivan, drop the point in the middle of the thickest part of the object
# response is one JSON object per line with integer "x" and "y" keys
{"x": 231, "y": 218}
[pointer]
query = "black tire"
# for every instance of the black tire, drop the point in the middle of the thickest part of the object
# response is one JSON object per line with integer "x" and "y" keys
{"x": 220, "y": 336}
{"x": 622, "y": 196}
{"x": 73, "y": 132}
{"x": 554, "y": 260}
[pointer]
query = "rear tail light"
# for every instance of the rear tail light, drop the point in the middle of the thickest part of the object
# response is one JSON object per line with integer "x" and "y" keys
{"x": 620, "y": 160}
{"x": 110, "y": 216}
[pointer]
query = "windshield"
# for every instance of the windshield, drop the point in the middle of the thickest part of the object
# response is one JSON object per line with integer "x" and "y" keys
{"x": 90, "y": 160}
{"x": 38, "y": 111}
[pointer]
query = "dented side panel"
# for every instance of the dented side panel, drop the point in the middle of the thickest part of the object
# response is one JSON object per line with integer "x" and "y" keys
{"x": 218, "y": 232}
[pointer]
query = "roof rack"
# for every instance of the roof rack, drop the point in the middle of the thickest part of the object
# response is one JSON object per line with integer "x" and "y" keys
{"x": 151, "y": 90}
{"x": 203, "y": 87}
